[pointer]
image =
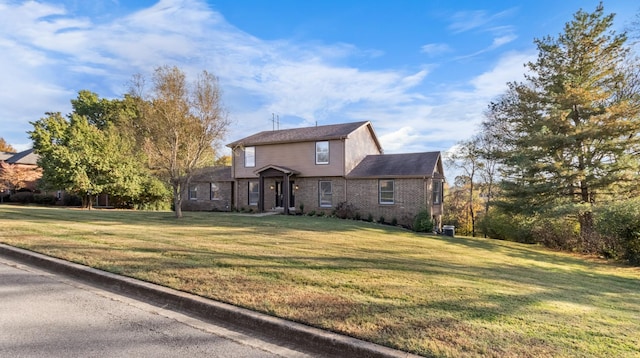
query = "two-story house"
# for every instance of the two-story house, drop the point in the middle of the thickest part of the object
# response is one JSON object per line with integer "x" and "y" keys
{"x": 316, "y": 168}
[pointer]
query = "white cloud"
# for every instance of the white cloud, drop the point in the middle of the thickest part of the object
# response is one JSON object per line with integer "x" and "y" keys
{"x": 435, "y": 49}
{"x": 509, "y": 68}
{"x": 58, "y": 53}
{"x": 463, "y": 21}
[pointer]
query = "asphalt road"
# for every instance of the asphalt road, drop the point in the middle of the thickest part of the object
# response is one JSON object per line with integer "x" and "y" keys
{"x": 47, "y": 315}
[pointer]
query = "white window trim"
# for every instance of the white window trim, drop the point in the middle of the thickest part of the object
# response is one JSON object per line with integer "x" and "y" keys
{"x": 329, "y": 193}
{"x": 328, "y": 153}
{"x": 437, "y": 199}
{"x": 212, "y": 192}
{"x": 247, "y": 150}
{"x": 193, "y": 189}
{"x": 393, "y": 192}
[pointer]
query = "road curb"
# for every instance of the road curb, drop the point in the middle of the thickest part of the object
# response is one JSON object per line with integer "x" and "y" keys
{"x": 331, "y": 344}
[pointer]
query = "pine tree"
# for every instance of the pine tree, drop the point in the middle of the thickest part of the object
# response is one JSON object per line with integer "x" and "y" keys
{"x": 573, "y": 127}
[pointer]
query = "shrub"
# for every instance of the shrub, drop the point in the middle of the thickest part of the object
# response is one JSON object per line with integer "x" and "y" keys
{"x": 345, "y": 210}
{"x": 422, "y": 221}
{"x": 501, "y": 226}
{"x": 44, "y": 199}
{"x": 394, "y": 222}
{"x": 312, "y": 213}
{"x": 369, "y": 218}
{"x": 72, "y": 200}
{"x": 618, "y": 224}
{"x": 23, "y": 197}
{"x": 557, "y": 233}
{"x": 320, "y": 214}
{"x": 381, "y": 220}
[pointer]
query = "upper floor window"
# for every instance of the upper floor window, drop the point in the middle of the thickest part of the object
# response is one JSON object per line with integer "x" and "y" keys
{"x": 437, "y": 192}
{"x": 385, "y": 187}
{"x": 322, "y": 152}
{"x": 193, "y": 192}
{"x": 215, "y": 192}
{"x": 325, "y": 194}
{"x": 250, "y": 156}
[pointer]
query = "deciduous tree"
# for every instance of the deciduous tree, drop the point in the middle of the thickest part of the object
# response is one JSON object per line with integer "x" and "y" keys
{"x": 6, "y": 147}
{"x": 468, "y": 158}
{"x": 87, "y": 154}
{"x": 179, "y": 125}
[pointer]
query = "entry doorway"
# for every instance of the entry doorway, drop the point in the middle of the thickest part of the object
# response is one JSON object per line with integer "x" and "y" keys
{"x": 280, "y": 195}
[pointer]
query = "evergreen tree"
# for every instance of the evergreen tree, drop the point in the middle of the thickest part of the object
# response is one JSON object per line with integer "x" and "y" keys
{"x": 571, "y": 131}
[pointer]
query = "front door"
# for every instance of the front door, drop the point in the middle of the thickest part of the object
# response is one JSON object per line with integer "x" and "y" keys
{"x": 280, "y": 195}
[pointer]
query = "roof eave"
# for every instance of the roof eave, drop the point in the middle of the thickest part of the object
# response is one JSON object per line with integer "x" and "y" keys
{"x": 388, "y": 176}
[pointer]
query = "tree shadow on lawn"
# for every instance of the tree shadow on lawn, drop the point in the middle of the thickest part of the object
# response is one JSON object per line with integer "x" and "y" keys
{"x": 507, "y": 291}
{"x": 581, "y": 283}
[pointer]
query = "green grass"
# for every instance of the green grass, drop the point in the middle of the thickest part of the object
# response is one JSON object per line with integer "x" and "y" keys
{"x": 434, "y": 296}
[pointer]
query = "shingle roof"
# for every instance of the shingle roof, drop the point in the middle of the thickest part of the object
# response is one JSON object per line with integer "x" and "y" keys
{"x": 24, "y": 157}
{"x": 279, "y": 168}
{"x": 307, "y": 134}
{"x": 397, "y": 165}
{"x": 5, "y": 155}
{"x": 212, "y": 174}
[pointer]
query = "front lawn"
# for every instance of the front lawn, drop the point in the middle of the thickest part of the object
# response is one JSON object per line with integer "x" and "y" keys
{"x": 434, "y": 296}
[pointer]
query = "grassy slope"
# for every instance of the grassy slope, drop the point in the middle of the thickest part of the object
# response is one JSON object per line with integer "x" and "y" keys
{"x": 428, "y": 295}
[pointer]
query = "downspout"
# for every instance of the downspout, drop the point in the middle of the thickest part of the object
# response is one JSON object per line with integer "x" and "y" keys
{"x": 426, "y": 194}
{"x": 234, "y": 183}
{"x": 344, "y": 167}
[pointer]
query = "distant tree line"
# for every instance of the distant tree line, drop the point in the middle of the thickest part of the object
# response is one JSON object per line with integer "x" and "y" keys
{"x": 557, "y": 158}
{"x": 141, "y": 149}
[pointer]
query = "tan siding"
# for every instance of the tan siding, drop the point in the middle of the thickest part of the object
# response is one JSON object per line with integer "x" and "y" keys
{"x": 300, "y": 157}
{"x": 359, "y": 144}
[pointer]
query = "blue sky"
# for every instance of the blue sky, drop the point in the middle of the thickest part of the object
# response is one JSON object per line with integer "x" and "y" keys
{"x": 421, "y": 71}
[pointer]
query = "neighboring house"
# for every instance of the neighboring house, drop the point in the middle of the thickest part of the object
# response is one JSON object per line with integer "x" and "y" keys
{"x": 19, "y": 171}
{"x": 317, "y": 168}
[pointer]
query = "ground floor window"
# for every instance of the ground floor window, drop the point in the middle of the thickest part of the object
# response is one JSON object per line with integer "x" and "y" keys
{"x": 385, "y": 187}
{"x": 254, "y": 193}
{"x": 215, "y": 192}
{"x": 325, "y": 194}
{"x": 193, "y": 192}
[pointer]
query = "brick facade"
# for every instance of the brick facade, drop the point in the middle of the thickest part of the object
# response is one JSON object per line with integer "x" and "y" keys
{"x": 284, "y": 165}
{"x": 203, "y": 201}
{"x": 410, "y": 197}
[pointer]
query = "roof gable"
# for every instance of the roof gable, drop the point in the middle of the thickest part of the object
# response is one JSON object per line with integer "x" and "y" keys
{"x": 398, "y": 165}
{"x": 25, "y": 157}
{"x": 5, "y": 155}
{"x": 306, "y": 134}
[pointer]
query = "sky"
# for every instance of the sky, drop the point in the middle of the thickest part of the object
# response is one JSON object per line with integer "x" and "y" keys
{"x": 422, "y": 71}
